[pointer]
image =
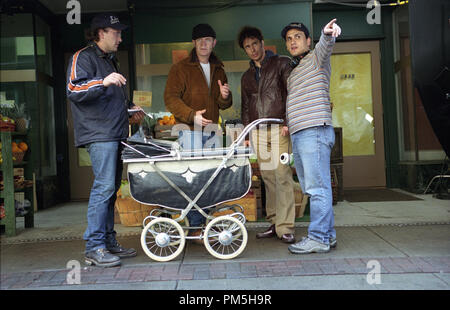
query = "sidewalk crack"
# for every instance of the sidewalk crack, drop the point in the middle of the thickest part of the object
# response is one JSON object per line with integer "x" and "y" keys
{"x": 390, "y": 243}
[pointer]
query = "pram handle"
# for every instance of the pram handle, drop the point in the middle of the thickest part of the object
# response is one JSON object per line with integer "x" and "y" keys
{"x": 252, "y": 125}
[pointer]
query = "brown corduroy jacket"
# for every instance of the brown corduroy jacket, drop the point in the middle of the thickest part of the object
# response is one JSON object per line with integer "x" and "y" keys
{"x": 187, "y": 91}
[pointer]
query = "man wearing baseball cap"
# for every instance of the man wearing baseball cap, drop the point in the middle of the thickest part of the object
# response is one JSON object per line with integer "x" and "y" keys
{"x": 308, "y": 113}
{"x": 196, "y": 90}
{"x": 99, "y": 106}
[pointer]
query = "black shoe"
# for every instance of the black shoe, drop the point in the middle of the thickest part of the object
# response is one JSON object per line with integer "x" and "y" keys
{"x": 288, "y": 238}
{"x": 101, "y": 258}
{"x": 122, "y": 252}
{"x": 269, "y": 233}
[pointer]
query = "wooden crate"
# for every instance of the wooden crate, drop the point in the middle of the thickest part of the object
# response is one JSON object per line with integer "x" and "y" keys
{"x": 337, "y": 182}
{"x": 301, "y": 200}
{"x": 164, "y": 131}
{"x": 248, "y": 202}
{"x": 256, "y": 188}
{"x": 131, "y": 212}
{"x": 337, "y": 153}
{"x": 116, "y": 215}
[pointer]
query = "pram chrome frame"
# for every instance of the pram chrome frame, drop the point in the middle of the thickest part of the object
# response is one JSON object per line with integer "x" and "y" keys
{"x": 221, "y": 234}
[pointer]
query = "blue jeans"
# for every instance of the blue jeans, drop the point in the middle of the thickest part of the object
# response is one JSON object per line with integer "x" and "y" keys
{"x": 312, "y": 151}
{"x": 107, "y": 168}
{"x": 189, "y": 140}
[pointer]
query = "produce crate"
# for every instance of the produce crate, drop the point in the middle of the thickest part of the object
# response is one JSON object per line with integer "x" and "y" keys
{"x": 248, "y": 203}
{"x": 7, "y": 126}
{"x": 301, "y": 200}
{"x": 131, "y": 212}
{"x": 256, "y": 188}
{"x": 164, "y": 131}
{"x": 337, "y": 154}
{"x": 337, "y": 182}
{"x": 18, "y": 157}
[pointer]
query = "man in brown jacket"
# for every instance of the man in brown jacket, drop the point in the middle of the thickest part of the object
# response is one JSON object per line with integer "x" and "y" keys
{"x": 263, "y": 91}
{"x": 196, "y": 89}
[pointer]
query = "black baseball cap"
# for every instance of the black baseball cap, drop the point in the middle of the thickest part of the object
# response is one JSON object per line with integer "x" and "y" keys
{"x": 105, "y": 20}
{"x": 295, "y": 25}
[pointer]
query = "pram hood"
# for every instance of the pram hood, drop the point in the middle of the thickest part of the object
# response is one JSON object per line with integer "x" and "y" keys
{"x": 148, "y": 186}
{"x": 142, "y": 147}
{"x": 151, "y": 163}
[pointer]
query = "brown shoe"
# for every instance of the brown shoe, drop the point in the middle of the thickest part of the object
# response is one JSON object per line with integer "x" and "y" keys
{"x": 288, "y": 238}
{"x": 269, "y": 233}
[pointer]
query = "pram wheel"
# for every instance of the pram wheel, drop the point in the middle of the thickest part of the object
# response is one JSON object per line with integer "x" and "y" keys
{"x": 238, "y": 212}
{"x": 155, "y": 213}
{"x": 225, "y": 237}
{"x": 162, "y": 239}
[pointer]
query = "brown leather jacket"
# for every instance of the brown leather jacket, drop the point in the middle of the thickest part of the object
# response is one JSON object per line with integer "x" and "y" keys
{"x": 266, "y": 98}
{"x": 187, "y": 90}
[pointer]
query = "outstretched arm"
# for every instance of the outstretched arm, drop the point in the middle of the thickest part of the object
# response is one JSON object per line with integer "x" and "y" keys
{"x": 324, "y": 47}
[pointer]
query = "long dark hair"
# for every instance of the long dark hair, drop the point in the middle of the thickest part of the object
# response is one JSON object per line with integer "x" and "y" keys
{"x": 92, "y": 34}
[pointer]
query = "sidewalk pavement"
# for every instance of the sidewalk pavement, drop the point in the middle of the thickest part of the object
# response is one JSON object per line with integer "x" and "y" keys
{"x": 411, "y": 252}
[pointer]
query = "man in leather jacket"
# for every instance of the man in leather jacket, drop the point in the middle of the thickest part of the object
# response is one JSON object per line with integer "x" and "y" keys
{"x": 264, "y": 91}
{"x": 99, "y": 106}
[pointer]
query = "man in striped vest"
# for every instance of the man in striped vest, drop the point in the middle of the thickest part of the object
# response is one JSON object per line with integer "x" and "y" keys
{"x": 308, "y": 113}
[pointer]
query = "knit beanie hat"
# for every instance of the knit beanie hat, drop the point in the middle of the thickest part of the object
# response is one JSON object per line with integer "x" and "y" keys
{"x": 203, "y": 30}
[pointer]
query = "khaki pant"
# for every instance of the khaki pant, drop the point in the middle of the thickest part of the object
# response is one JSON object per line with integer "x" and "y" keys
{"x": 280, "y": 202}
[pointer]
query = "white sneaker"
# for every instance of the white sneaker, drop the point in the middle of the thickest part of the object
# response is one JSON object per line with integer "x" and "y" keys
{"x": 307, "y": 245}
{"x": 333, "y": 243}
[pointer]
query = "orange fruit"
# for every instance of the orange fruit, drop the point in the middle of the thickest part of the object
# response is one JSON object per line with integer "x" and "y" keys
{"x": 15, "y": 148}
{"x": 23, "y": 146}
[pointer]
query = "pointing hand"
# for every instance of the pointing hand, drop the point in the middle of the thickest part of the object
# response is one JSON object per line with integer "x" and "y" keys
{"x": 332, "y": 29}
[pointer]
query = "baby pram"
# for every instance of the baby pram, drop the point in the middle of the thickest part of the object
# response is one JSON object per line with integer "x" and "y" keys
{"x": 161, "y": 173}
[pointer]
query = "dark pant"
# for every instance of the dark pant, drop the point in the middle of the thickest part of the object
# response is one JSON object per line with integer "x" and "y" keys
{"x": 107, "y": 168}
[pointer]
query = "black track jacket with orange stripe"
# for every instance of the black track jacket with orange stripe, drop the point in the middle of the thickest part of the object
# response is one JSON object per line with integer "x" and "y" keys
{"x": 99, "y": 113}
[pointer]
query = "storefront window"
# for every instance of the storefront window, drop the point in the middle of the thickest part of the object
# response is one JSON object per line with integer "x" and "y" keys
{"x": 26, "y": 76}
{"x": 46, "y": 131}
{"x": 43, "y": 47}
{"x": 16, "y": 42}
{"x": 417, "y": 138}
